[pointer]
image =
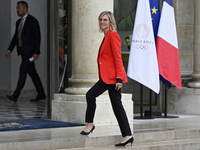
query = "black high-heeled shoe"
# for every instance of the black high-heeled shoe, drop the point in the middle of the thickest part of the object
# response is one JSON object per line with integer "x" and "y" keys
{"x": 87, "y": 133}
{"x": 124, "y": 144}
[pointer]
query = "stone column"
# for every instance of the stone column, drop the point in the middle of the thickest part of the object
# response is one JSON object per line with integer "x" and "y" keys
{"x": 53, "y": 53}
{"x": 86, "y": 40}
{"x": 196, "y": 74}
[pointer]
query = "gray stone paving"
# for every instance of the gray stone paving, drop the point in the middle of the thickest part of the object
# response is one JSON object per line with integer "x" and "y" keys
{"x": 23, "y": 109}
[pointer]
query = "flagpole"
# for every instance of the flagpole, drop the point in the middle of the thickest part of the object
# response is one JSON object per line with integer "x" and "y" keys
{"x": 141, "y": 104}
{"x": 165, "y": 98}
{"x": 141, "y": 101}
{"x": 150, "y": 102}
{"x": 166, "y": 116}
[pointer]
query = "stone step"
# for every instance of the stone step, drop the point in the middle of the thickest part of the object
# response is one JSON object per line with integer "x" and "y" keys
{"x": 192, "y": 144}
{"x": 59, "y": 138}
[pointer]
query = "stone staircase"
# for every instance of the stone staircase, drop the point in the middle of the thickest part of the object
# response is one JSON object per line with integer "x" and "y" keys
{"x": 169, "y": 140}
{"x": 158, "y": 134}
{"x": 168, "y": 145}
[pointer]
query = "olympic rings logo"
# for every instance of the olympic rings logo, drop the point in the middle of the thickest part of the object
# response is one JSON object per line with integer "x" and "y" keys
{"x": 141, "y": 47}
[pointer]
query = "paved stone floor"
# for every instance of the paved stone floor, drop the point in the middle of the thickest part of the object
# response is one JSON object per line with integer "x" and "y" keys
{"x": 23, "y": 109}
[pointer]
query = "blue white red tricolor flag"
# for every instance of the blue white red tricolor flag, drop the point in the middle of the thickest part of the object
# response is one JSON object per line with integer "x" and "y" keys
{"x": 167, "y": 46}
{"x": 143, "y": 65}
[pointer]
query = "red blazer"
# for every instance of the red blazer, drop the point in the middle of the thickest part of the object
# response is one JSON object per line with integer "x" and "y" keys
{"x": 109, "y": 60}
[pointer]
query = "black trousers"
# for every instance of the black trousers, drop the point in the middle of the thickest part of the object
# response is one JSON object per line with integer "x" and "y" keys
{"x": 115, "y": 98}
{"x": 28, "y": 67}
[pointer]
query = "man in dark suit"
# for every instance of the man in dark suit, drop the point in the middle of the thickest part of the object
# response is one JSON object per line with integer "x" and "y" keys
{"x": 27, "y": 39}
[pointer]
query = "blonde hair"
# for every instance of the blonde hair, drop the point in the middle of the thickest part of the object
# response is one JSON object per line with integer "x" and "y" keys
{"x": 111, "y": 17}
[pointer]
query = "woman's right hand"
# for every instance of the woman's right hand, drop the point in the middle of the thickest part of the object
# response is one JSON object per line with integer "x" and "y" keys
{"x": 7, "y": 54}
{"x": 118, "y": 86}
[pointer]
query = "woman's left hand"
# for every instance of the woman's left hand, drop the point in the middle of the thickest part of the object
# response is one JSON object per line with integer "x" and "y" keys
{"x": 118, "y": 86}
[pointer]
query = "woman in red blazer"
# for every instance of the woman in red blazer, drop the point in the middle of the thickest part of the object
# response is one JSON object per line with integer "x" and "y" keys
{"x": 111, "y": 76}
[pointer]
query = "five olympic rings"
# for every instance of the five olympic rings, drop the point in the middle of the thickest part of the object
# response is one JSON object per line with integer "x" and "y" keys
{"x": 142, "y": 47}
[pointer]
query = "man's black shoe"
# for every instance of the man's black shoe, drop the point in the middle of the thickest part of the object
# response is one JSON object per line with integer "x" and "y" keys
{"x": 12, "y": 98}
{"x": 38, "y": 98}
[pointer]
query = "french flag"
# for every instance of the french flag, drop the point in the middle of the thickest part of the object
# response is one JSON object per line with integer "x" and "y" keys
{"x": 167, "y": 46}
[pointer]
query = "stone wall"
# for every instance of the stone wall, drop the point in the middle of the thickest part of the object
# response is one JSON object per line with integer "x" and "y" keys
{"x": 185, "y": 101}
{"x": 184, "y": 14}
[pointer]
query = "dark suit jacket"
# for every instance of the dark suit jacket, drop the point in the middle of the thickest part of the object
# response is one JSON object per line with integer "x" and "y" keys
{"x": 30, "y": 37}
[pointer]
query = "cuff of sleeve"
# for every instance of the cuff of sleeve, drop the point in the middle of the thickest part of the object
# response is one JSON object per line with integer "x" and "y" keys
{"x": 31, "y": 59}
{"x": 119, "y": 80}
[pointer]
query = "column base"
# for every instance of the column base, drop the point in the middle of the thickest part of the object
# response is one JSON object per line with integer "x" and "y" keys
{"x": 76, "y": 91}
{"x": 80, "y": 86}
{"x": 193, "y": 84}
{"x": 196, "y": 81}
{"x": 71, "y": 108}
{"x": 79, "y": 91}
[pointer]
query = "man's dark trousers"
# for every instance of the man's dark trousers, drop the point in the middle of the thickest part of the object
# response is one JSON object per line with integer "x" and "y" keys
{"x": 28, "y": 67}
